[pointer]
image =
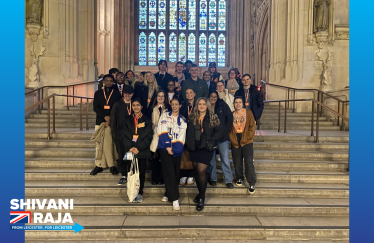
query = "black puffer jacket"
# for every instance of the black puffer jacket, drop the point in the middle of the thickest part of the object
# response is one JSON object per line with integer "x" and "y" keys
{"x": 144, "y": 140}
{"x": 213, "y": 134}
{"x": 225, "y": 116}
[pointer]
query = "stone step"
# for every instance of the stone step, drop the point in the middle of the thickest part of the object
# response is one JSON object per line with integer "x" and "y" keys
{"x": 300, "y": 127}
{"x": 60, "y": 125}
{"x": 257, "y": 145}
{"x": 294, "y": 122}
{"x": 213, "y": 229}
{"x": 260, "y": 137}
{"x": 258, "y": 154}
{"x": 214, "y": 206}
{"x": 69, "y": 188}
{"x": 59, "y": 120}
{"x": 262, "y": 175}
{"x": 201, "y": 241}
{"x": 59, "y": 116}
{"x": 283, "y": 165}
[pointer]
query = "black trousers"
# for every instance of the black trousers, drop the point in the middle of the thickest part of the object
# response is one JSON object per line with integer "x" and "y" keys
{"x": 123, "y": 166}
{"x": 156, "y": 168}
{"x": 246, "y": 153}
{"x": 171, "y": 170}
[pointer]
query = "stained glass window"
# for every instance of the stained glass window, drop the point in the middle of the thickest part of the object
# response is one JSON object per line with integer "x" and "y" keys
{"x": 161, "y": 14}
{"x": 182, "y": 14}
{"x": 191, "y": 14}
{"x": 142, "y": 49}
{"x": 182, "y": 47}
{"x": 142, "y": 14}
{"x": 222, "y": 15}
{"x": 181, "y": 30}
{"x": 191, "y": 47}
{"x": 152, "y": 49}
{"x": 212, "y": 15}
{"x": 172, "y": 47}
{"x": 173, "y": 22}
{"x": 152, "y": 14}
{"x": 212, "y": 48}
{"x": 221, "y": 50}
{"x": 161, "y": 47}
{"x": 202, "y": 50}
{"x": 203, "y": 15}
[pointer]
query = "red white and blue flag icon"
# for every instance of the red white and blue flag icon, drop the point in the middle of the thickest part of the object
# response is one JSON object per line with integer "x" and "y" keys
{"x": 20, "y": 217}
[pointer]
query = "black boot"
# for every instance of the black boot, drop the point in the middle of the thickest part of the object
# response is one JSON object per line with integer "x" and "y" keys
{"x": 96, "y": 170}
{"x": 196, "y": 200}
{"x": 200, "y": 205}
{"x": 113, "y": 170}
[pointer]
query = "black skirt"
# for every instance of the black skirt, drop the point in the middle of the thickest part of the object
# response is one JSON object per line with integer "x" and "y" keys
{"x": 201, "y": 156}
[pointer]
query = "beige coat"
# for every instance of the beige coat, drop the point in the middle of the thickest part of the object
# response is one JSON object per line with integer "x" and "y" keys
{"x": 155, "y": 118}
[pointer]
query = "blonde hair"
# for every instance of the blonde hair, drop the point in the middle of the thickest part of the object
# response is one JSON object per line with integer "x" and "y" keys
{"x": 155, "y": 86}
{"x": 194, "y": 116}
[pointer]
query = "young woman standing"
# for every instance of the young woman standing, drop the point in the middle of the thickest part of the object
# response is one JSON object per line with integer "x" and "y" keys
{"x": 172, "y": 133}
{"x": 203, "y": 132}
{"x": 241, "y": 137}
{"x": 232, "y": 84}
{"x": 147, "y": 93}
{"x": 158, "y": 108}
{"x": 136, "y": 136}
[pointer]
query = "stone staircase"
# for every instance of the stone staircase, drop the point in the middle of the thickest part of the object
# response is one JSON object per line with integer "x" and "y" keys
{"x": 302, "y": 191}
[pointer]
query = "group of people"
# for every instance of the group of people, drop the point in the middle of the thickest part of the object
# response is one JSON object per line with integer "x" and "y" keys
{"x": 163, "y": 118}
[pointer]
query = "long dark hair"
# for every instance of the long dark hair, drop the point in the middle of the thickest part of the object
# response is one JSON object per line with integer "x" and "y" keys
{"x": 165, "y": 104}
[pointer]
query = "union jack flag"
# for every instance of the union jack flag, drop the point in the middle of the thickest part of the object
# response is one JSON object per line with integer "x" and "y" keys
{"x": 20, "y": 217}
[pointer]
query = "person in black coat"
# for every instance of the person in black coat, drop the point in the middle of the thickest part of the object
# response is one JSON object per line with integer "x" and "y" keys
{"x": 203, "y": 132}
{"x": 211, "y": 85}
{"x": 162, "y": 76}
{"x": 120, "y": 111}
{"x": 147, "y": 93}
{"x": 136, "y": 135}
{"x": 222, "y": 110}
{"x": 252, "y": 97}
{"x": 120, "y": 83}
{"x": 171, "y": 93}
{"x": 104, "y": 100}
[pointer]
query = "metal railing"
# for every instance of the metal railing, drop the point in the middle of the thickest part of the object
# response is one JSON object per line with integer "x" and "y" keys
{"x": 319, "y": 107}
{"x": 320, "y": 96}
{"x": 40, "y": 92}
{"x": 48, "y": 100}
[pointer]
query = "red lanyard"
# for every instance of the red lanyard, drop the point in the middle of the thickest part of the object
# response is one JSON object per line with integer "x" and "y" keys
{"x": 107, "y": 100}
{"x": 136, "y": 122}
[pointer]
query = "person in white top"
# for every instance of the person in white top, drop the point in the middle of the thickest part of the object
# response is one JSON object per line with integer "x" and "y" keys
{"x": 171, "y": 130}
{"x": 225, "y": 95}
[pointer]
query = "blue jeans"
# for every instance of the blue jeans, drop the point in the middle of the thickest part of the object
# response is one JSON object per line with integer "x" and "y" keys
{"x": 223, "y": 148}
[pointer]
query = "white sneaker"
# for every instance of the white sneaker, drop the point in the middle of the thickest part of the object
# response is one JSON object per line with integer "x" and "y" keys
{"x": 218, "y": 158}
{"x": 176, "y": 205}
{"x": 183, "y": 181}
{"x": 190, "y": 181}
{"x": 164, "y": 199}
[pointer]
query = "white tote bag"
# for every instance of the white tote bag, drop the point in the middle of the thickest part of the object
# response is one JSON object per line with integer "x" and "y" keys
{"x": 133, "y": 181}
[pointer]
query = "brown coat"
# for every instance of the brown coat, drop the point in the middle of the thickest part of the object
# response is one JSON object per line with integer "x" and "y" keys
{"x": 248, "y": 133}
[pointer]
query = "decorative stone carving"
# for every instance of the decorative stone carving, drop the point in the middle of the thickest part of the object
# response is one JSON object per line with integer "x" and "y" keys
{"x": 342, "y": 32}
{"x": 34, "y": 68}
{"x": 34, "y": 12}
{"x": 321, "y": 15}
{"x": 33, "y": 31}
{"x": 326, "y": 73}
{"x": 103, "y": 32}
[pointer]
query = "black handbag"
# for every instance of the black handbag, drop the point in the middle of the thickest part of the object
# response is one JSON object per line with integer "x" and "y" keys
{"x": 211, "y": 145}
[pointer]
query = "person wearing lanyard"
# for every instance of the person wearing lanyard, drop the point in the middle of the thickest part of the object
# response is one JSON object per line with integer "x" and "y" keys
{"x": 171, "y": 91}
{"x": 232, "y": 84}
{"x": 187, "y": 175}
{"x": 120, "y": 82}
{"x": 159, "y": 106}
{"x": 203, "y": 132}
{"x": 120, "y": 111}
{"x": 136, "y": 135}
{"x": 225, "y": 95}
{"x": 172, "y": 133}
{"x": 241, "y": 136}
{"x": 253, "y": 98}
{"x": 104, "y": 100}
{"x": 147, "y": 93}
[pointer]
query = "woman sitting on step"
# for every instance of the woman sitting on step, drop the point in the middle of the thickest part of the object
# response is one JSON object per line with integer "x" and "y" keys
{"x": 203, "y": 132}
{"x": 136, "y": 135}
{"x": 241, "y": 137}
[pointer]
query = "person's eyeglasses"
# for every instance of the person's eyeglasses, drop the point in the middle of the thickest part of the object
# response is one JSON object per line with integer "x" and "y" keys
{"x": 213, "y": 97}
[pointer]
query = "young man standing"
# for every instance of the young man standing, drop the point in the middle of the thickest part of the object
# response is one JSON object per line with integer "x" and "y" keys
{"x": 211, "y": 85}
{"x": 179, "y": 76}
{"x": 163, "y": 77}
{"x": 196, "y": 84}
{"x": 120, "y": 111}
{"x": 120, "y": 82}
{"x": 104, "y": 100}
{"x": 252, "y": 97}
{"x": 113, "y": 72}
